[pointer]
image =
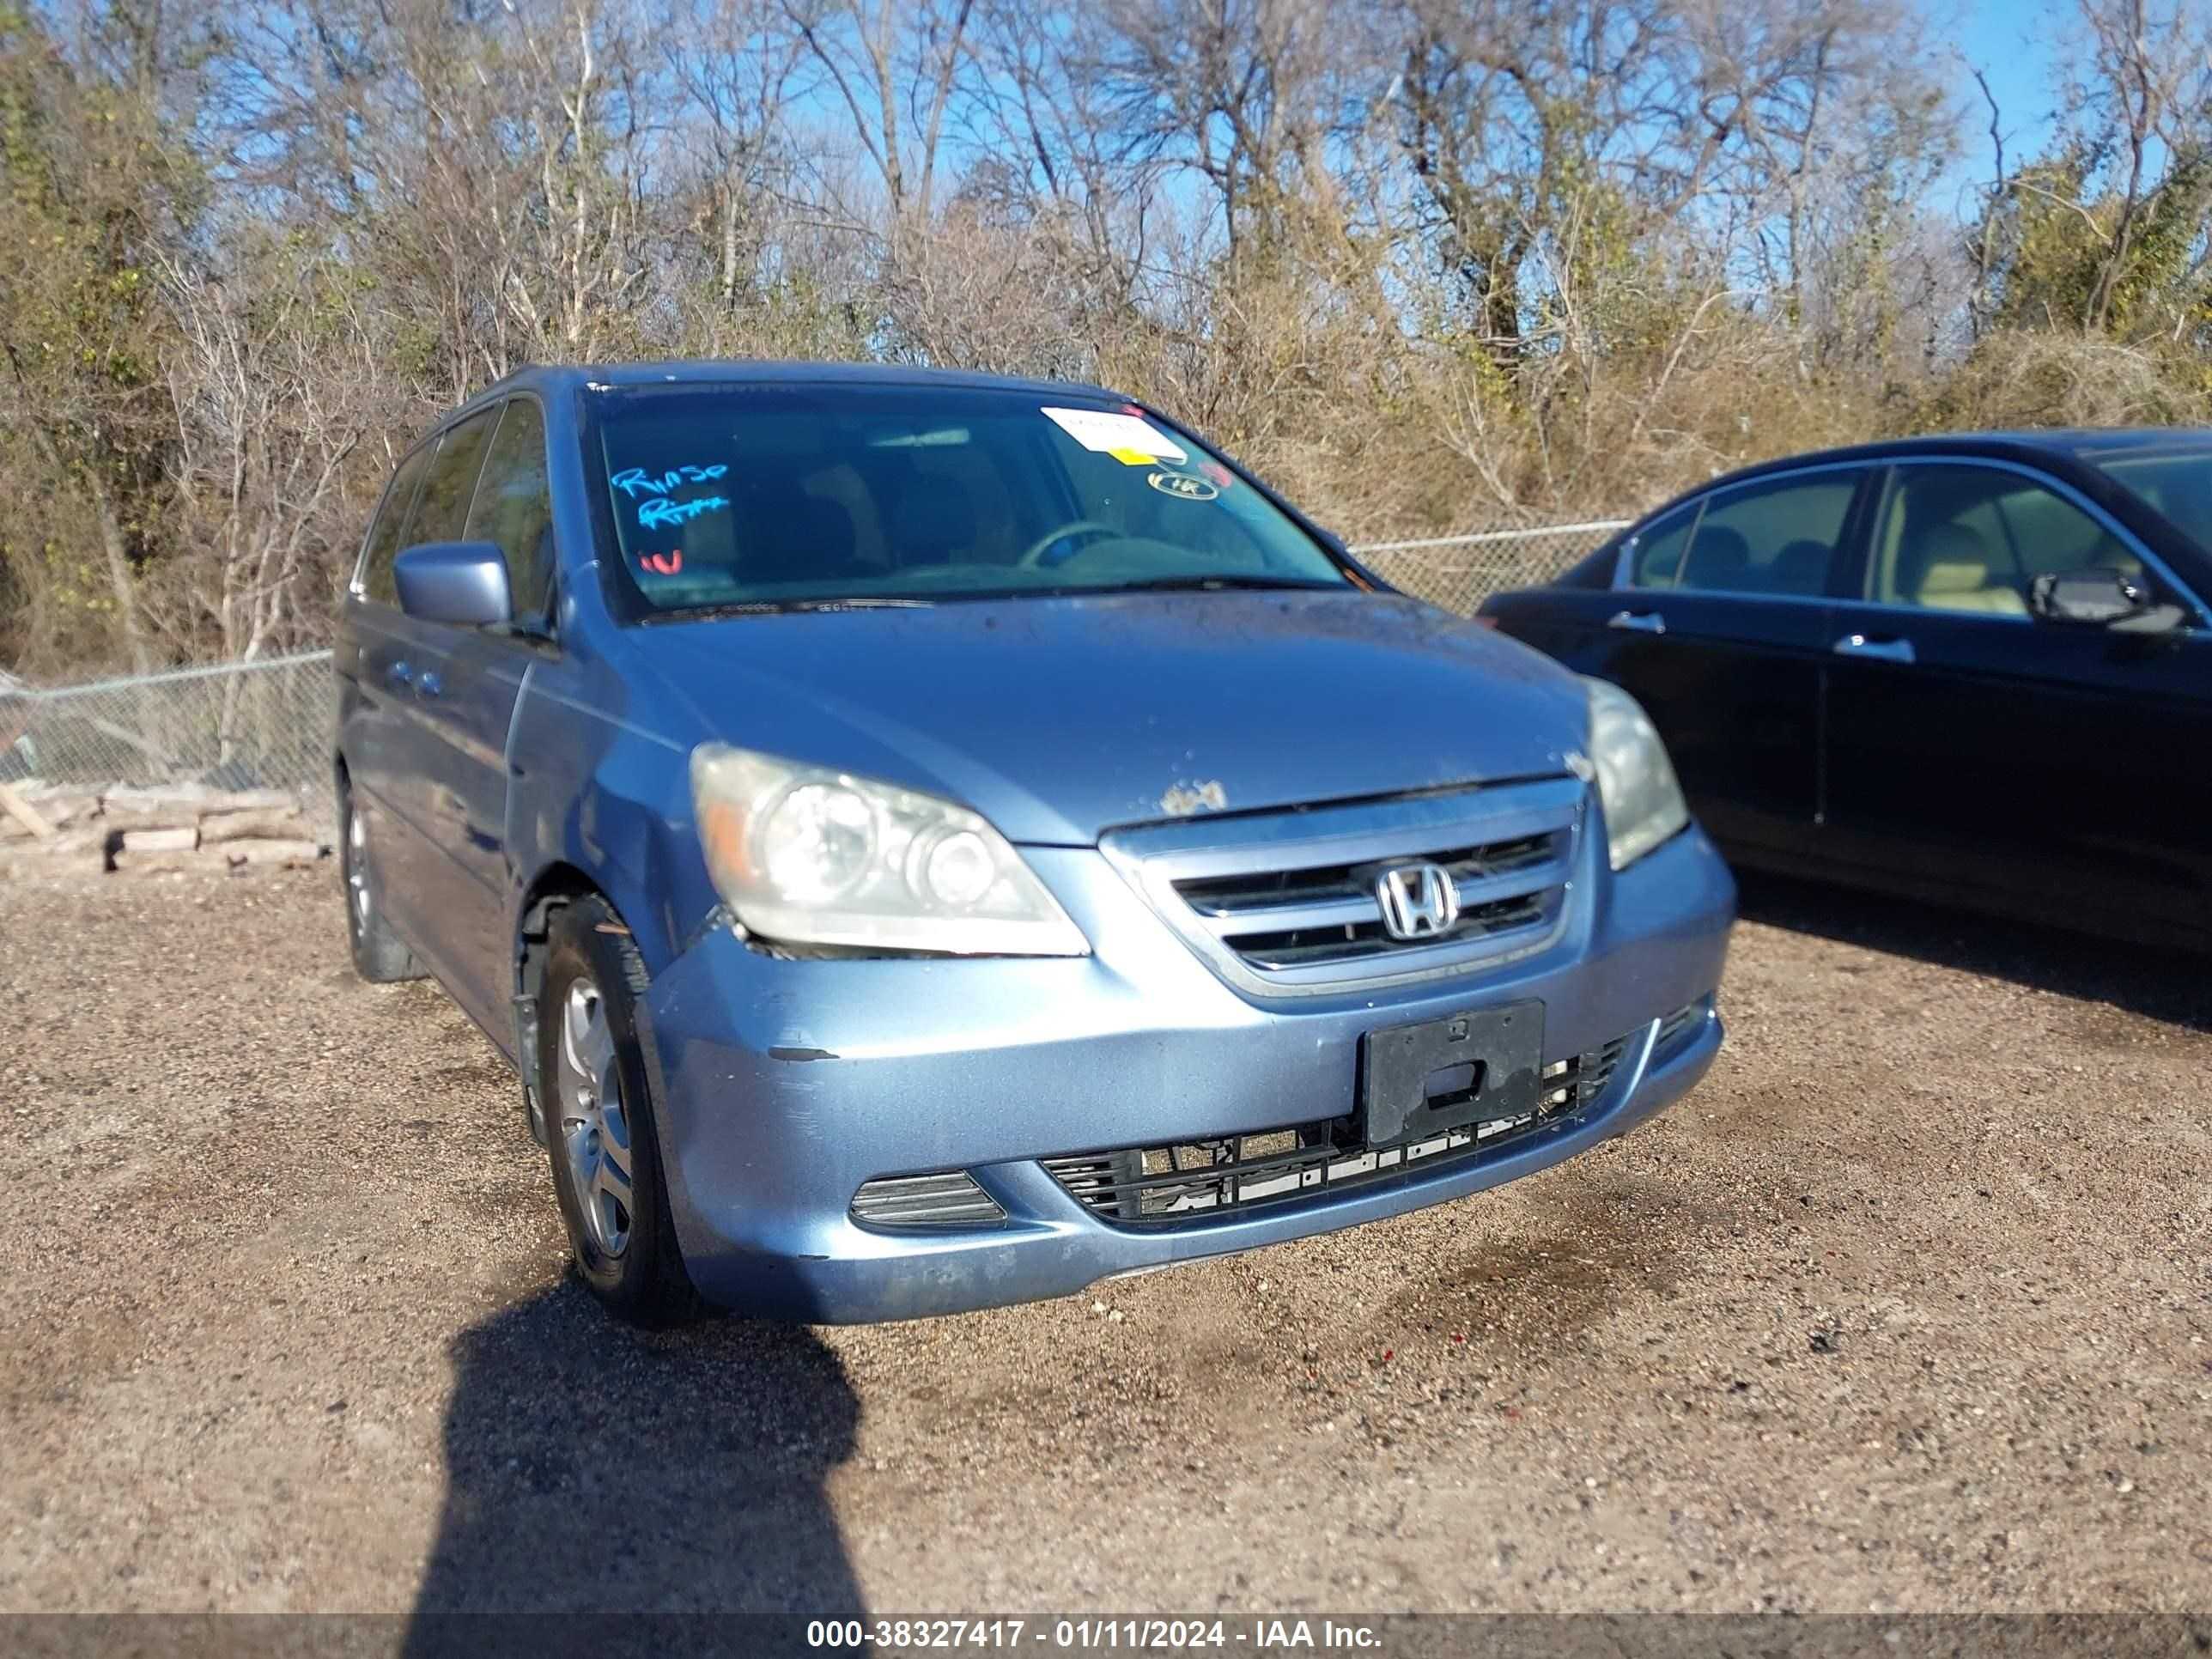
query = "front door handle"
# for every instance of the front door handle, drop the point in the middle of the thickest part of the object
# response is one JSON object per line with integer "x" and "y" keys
{"x": 1641, "y": 622}
{"x": 1859, "y": 645}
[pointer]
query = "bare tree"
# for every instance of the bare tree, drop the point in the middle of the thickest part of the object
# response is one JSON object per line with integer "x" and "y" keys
{"x": 269, "y": 413}
{"x": 2147, "y": 88}
{"x": 1420, "y": 261}
{"x": 893, "y": 66}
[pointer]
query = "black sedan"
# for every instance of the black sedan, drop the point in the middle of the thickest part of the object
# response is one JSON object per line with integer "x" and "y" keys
{"x": 1975, "y": 670}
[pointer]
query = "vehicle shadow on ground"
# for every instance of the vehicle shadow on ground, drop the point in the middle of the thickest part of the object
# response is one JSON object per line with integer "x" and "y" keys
{"x": 592, "y": 1467}
{"x": 2159, "y": 984}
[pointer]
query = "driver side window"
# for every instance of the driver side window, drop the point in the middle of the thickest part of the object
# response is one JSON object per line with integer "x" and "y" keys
{"x": 513, "y": 506}
{"x": 384, "y": 543}
{"x": 1972, "y": 539}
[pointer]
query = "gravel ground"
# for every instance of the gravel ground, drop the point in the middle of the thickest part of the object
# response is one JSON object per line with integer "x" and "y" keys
{"x": 1908, "y": 1307}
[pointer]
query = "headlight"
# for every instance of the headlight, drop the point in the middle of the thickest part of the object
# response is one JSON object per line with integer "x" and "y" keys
{"x": 817, "y": 857}
{"x": 1643, "y": 803}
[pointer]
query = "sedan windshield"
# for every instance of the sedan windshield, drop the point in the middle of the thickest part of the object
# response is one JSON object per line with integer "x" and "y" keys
{"x": 769, "y": 497}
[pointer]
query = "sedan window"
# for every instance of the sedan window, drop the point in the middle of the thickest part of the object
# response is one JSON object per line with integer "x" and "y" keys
{"x": 1973, "y": 538}
{"x": 1776, "y": 537}
{"x": 1655, "y": 554}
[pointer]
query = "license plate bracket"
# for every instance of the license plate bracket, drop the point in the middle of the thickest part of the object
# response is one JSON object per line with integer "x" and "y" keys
{"x": 1474, "y": 1068}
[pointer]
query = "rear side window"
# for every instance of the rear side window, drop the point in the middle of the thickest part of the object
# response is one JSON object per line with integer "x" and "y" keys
{"x": 442, "y": 516}
{"x": 515, "y": 507}
{"x": 383, "y": 544}
{"x": 1654, "y": 558}
{"x": 1773, "y": 537}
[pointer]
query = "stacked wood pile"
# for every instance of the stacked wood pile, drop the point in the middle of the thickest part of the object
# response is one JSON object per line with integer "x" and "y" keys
{"x": 61, "y": 827}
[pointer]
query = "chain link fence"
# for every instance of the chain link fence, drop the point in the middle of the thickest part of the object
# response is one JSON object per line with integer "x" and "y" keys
{"x": 268, "y": 724}
{"x": 257, "y": 725}
{"x": 1460, "y": 572}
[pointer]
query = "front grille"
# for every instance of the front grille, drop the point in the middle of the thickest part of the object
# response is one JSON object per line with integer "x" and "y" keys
{"x": 1282, "y": 903}
{"x": 1351, "y": 941}
{"x": 1152, "y": 1186}
{"x": 950, "y": 1198}
{"x": 1230, "y": 895}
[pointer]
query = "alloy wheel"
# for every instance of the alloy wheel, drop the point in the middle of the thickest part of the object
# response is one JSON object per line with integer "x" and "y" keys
{"x": 595, "y": 1134}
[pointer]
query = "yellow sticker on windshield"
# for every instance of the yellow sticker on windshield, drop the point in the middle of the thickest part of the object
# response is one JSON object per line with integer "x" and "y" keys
{"x": 1133, "y": 457}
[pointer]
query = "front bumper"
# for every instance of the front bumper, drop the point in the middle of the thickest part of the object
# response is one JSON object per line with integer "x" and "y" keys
{"x": 785, "y": 1085}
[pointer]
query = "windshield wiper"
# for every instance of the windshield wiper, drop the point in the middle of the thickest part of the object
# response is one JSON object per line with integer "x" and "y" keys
{"x": 781, "y": 607}
{"x": 1192, "y": 584}
{"x": 1218, "y": 584}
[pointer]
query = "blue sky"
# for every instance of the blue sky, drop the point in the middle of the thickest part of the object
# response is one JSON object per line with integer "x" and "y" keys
{"x": 2016, "y": 44}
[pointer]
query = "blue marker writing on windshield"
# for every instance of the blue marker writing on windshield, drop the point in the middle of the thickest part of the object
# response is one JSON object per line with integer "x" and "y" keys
{"x": 634, "y": 480}
{"x": 660, "y": 510}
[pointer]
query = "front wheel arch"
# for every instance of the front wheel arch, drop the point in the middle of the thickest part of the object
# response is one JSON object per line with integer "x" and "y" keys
{"x": 555, "y": 888}
{"x": 583, "y": 935}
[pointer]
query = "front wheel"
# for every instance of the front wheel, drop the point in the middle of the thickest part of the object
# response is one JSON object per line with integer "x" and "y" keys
{"x": 601, "y": 1134}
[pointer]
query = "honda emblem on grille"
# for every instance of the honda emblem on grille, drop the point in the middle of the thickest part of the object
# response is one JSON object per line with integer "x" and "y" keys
{"x": 1418, "y": 901}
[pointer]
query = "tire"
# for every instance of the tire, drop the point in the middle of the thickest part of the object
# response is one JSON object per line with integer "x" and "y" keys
{"x": 379, "y": 955}
{"x": 599, "y": 1109}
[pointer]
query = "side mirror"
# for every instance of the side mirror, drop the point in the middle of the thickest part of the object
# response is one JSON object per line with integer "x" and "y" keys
{"x": 2101, "y": 599}
{"x": 460, "y": 583}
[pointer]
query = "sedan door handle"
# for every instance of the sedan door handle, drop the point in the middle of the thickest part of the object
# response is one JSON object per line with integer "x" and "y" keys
{"x": 1641, "y": 622}
{"x": 1859, "y": 645}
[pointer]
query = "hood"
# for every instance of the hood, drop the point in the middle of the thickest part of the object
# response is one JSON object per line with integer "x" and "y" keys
{"x": 1060, "y": 718}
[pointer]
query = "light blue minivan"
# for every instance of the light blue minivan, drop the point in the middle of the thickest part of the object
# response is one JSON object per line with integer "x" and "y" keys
{"x": 929, "y": 841}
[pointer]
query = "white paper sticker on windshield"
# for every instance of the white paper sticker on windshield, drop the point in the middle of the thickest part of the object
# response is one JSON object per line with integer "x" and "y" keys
{"x": 1127, "y": 438}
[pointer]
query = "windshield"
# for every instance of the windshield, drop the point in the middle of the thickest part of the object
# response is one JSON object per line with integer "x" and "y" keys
{"x": 771, "y": 497}
{"x": 2177, "y": 481}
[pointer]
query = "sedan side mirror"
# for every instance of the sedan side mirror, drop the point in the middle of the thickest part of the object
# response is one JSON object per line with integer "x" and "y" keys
{"x": 2101, "y": 599}
{"x": 460, "y": 583}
